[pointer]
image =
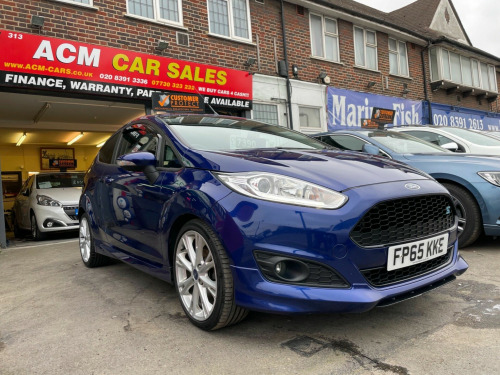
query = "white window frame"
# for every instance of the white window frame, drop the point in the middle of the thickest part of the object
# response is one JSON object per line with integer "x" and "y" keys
{"x": 77, "y": 3}
{"x": 270, "y": 105}
{"x": 310, "y": 128}
{"x": 474, "y": 62}
{"x": 397, "y": 53}
{"x": 231, "y": 23}
{"x": 324, "y": 35}
{"x": 365, "y": 46}
{"x": 157, "y": 12}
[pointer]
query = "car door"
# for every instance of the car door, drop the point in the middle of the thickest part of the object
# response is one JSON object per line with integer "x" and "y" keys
{"x": 135, "y": 225}
{"x": 22, "y": 205}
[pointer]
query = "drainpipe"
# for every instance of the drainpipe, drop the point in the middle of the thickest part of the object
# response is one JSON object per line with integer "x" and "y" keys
{"x": 288, "y": 83}
{"x": 426, "y": 94}
{"x": 3, "y": 236}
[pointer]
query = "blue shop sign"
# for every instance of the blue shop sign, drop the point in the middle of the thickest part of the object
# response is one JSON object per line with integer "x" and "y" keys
{"x": 347, "y": 108}
{"x": 460, "y": 117}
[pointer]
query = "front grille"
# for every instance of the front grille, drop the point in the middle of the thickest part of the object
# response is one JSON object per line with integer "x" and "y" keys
{"x": 404, "y": 219}
{"x": 381, "y": 277}
{"x": 70, "y": 211}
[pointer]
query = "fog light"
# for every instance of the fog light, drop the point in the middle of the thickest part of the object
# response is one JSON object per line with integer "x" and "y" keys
{"x": 291, "y": 270}
{"x": 49, "y": 224}
{"x": 280, "y": 268}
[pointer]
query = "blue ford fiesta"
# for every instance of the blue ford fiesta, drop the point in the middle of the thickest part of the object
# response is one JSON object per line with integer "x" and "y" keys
{"x": 242, "y": 215}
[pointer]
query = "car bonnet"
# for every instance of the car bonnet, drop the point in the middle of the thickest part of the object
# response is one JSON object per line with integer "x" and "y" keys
{"x": 339, "y": 170}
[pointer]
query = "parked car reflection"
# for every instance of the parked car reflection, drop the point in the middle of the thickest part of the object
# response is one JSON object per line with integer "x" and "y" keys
{"x": 48, "y": 202}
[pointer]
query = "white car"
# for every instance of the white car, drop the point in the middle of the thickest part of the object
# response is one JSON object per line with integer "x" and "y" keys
{"x": 48, "y": 202}
{"x": 455, "y": 139}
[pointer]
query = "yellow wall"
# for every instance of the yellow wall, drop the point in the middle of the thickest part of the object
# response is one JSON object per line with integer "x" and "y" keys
{"x": 26, "y": 158}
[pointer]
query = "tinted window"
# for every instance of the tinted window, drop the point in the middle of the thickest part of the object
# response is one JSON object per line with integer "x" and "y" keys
{"x": 169, "y": 158}
{"x": 106, "y": 153}
{"x": 345, "y": 142}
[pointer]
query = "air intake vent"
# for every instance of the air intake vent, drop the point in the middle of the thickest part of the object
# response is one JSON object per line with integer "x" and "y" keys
{"x": 183, "y": 39}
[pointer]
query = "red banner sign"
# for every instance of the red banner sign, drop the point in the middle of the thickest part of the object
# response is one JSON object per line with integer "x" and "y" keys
{"x": 66, "y": 65}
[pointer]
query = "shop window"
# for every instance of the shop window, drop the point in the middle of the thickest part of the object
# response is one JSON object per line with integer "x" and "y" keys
{"x": 324, "y": 37}
{"x": 169, "y": 11}
{"x": 230, "y": 18}
{"x": 365, "y": 48}
{"x": 309, "y": 118}
{"x": 398, "y": 58}
{"x": 267, "y": 113}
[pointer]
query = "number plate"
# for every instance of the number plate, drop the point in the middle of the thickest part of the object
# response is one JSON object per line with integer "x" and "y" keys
{"x": 408, "y": 254}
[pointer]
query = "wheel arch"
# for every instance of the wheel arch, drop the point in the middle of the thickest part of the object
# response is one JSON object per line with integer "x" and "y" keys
{"x": 173, "y": 233}
{"x": 460, "y": 182}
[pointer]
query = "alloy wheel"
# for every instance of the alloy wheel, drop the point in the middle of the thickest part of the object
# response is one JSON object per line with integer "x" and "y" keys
{"x": 196, "y": 275}
{"x": 84, "y": 239}
{"x": 462, "y": 217}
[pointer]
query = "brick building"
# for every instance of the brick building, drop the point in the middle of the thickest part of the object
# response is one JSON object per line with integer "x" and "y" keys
{"x": 310, "y": 65}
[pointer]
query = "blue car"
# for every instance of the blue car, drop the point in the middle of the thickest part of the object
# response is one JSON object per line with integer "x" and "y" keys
{"x": 472, "y": 180}
{"x": 240, "y": 215}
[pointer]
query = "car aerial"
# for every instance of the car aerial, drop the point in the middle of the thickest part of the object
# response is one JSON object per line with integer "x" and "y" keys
{"x": 472, "y": 180}
{"x": 48, "y": 202}
{"x": 241, "y": 215}
{"x": 454, "y": 139}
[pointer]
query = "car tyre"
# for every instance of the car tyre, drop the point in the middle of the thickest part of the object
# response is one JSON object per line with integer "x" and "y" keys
{"x": 17, "y": 231}
{"x": 203, "y": 278}
{"x": 89, "y": 256}
{"x": 469, "y": 215}
{"x": 35, "y": 231}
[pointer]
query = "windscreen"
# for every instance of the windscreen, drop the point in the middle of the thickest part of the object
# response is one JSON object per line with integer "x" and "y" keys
{"x": 228, "y": 134}
{"x": 59, "y": 180}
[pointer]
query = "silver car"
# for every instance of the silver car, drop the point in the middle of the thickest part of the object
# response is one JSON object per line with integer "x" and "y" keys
{"x": 48, "y": 202}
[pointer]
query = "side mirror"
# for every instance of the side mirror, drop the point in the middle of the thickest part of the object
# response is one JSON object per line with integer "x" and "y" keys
{"x": 140, "y": 162}
{"x": 26, "y": 193}
{"x": 371, "y": 149}
{"x": 452, "y": 146}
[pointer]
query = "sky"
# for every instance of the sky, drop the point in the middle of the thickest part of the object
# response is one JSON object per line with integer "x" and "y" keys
{"x": 480, "y": 18}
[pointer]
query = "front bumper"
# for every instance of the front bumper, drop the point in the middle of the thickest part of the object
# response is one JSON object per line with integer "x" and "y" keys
{"x": 55, "y": 219}
{"x": 256, "y": 293}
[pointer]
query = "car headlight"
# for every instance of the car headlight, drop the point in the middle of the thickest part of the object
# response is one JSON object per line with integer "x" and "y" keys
{"x": 491, "y": 177}
{"x": 282, "y": 189}
{"x": 43, "y": 200}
